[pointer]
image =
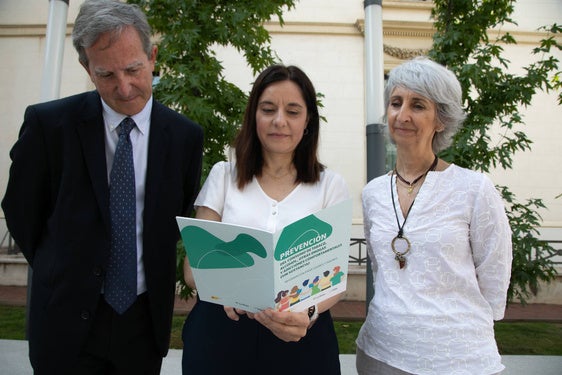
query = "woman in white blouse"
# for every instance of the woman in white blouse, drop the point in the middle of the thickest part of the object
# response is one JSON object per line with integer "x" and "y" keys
{"x": 438, "y": 238}
{"x": 276, "y": 179}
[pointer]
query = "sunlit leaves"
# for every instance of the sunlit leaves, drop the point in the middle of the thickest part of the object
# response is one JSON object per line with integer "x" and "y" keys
{"x": 470, "y": 41}
{"x": 191, "y": 77}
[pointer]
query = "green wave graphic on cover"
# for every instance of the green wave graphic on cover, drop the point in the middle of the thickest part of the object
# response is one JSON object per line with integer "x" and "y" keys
{"x": 207, "y": 251}
{"x": 301, "y": 235}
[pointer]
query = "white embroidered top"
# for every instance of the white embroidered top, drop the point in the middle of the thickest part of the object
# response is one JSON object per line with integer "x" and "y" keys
{"x": 436, "y": 315}
{"x": 252, "y": 207}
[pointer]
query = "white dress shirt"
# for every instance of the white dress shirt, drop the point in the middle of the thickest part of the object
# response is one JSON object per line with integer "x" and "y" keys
{"x": 139, "y": 140}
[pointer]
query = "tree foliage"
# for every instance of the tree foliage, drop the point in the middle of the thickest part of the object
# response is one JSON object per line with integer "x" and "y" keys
{"x": 192, "y": 82}
{"x": 191, "y": 76}
{"x": 470, "y": 41}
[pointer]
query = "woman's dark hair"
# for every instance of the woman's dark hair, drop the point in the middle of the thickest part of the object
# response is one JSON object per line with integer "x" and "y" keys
{"x": 248, "y": 148}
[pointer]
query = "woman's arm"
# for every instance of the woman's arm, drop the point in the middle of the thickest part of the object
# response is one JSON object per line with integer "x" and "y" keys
{"x": 490, "y": 240}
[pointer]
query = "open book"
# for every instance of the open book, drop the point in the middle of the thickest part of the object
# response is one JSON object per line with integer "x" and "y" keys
{"x": 252, "y": 269}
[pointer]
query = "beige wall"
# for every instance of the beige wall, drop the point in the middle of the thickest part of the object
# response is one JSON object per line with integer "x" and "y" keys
{"x": 324, "y": 38}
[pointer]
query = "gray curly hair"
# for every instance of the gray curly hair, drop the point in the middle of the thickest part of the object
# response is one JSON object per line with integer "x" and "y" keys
{"x": 436, "y": 83}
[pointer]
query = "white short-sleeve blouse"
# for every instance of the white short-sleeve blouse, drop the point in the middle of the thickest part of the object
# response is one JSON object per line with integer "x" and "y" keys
{"x": 252, "y": 207}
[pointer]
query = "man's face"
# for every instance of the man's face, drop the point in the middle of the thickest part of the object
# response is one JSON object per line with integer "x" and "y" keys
{"x": 121, "y": 71}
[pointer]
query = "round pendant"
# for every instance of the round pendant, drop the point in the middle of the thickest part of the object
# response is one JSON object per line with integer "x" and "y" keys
{"x": 400, "y": 245}
{"x": 400, "y": 248}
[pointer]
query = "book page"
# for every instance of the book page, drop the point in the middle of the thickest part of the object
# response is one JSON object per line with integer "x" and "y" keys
{"x": 252, "y": 269}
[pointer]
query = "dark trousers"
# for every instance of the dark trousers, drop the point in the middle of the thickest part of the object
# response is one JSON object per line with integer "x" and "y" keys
{"x": 120, "y": 344}
{"x": 216, "y": 345}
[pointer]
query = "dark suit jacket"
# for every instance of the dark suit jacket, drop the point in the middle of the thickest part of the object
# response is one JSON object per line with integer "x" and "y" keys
{"x": 57, "y": 210}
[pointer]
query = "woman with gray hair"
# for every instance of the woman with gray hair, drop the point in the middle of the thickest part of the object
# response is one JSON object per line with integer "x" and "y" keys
{"x": 438, "y": 239}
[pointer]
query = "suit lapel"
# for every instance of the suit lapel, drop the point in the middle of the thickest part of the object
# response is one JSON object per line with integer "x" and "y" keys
{"x": 92, "y": 137}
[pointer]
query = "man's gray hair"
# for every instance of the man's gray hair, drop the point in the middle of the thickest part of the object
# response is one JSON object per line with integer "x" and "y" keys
{"x": 97, "y": 17}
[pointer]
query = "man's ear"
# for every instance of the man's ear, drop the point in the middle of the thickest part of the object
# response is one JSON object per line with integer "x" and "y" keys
{"x": 154, "y": 54}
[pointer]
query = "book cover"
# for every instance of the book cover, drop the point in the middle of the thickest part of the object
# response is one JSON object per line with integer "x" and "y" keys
{"x": 289, "y": 270}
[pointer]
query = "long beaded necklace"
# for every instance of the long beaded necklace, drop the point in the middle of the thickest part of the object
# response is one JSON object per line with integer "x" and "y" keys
{"x": 399, "y": 256}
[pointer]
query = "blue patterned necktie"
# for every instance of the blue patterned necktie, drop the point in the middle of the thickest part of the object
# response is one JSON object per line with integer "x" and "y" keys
{"x": 120, "y": 287}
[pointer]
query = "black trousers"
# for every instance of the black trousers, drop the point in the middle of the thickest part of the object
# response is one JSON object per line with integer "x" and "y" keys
{"x": 216, "y": 345}
{"x": 120, "y": 344}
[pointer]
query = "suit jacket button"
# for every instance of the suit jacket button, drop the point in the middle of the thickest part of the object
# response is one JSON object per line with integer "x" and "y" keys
{"x": 85, "y": 315}
{"x": 97, "y": 271}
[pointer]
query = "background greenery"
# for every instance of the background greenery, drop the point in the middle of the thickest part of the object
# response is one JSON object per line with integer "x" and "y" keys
{"x": 516, "y": 338}
{"x": 192, "y": 81}
{"x": 191, "y": 77}
{"x": 494, "y": 129}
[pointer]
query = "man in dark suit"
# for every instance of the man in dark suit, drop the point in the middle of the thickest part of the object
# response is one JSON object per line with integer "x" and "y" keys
{"x": 59, "y": 205}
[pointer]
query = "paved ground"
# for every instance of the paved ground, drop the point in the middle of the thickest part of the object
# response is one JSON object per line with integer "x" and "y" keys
{"x": 14, "y": 360}
{"x": 13, "y": 357}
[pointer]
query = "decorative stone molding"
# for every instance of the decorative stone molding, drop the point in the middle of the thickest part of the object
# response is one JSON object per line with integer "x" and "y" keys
{"x": 307, "y": 28}
{"x": 415, "y": 29}
{"x": 404, "y": 53}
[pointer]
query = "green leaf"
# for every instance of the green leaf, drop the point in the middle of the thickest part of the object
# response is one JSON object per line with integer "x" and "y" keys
{"x": 493, "y": 95}
{"x": 192, "y": 78}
